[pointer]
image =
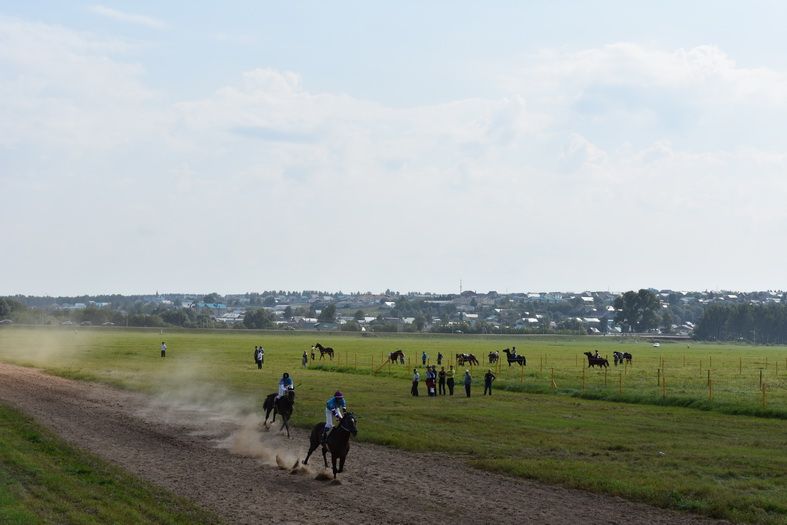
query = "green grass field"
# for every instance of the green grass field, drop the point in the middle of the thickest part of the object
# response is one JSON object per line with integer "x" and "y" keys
{"x": 43, "y": 480}
{"x": 670, "y": 446}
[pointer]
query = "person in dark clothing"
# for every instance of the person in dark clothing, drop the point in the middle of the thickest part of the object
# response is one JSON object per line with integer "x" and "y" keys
{"x": 439, "y": 358}
{"x": 449, "y": 375}
{"x": 441, "y": 381}
{"x": 416, "y": 379}
{"x": 468, "y": 382}
{"x": 488, "y": 378}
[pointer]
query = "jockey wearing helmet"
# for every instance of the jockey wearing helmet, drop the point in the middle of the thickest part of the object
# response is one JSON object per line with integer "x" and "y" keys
{"x": 334, "y": 407}
{"x": 285, "y": 383}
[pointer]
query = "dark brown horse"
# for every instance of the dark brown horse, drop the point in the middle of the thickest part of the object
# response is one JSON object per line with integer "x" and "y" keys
{"x": 397, "y": 356}
{"x": 323, "y": 350}
{"x": 621, "y": 357}
{"x": 466, "y": 359}
{"x": 596, "y": 361}
{"x": 494, "y": 357}
{"x": 513, "y": 357}
{"x": 338, "y": 442}
{"x": 282, "y": 406}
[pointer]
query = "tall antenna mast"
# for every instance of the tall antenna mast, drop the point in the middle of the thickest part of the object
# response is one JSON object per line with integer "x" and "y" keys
{"x": 460, "y": 286}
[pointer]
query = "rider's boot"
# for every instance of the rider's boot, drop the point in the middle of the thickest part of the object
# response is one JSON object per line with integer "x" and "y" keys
{"x": 324, "y": 436}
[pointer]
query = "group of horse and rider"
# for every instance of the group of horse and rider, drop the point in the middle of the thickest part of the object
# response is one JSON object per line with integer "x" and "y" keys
{"x": 333, "y": 438}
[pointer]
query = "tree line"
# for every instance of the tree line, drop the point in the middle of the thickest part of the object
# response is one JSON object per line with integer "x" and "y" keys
{"x": 755, "y": 323}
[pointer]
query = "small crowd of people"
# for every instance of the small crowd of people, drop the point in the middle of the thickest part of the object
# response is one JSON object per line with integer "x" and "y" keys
{"x": 445, "y": 378}
{"x": 425, "y": 358}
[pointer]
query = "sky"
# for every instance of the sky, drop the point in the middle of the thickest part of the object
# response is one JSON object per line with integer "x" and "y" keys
{"x": 363, "y": 146}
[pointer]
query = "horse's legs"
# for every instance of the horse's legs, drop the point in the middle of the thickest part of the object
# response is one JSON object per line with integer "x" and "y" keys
{"x": 312, "y": 447}
{"x": 325, "y": 458}
{"x": 285, "y": 425}
{"x": 341, "y": 462}
{"x": 333, "y": 464}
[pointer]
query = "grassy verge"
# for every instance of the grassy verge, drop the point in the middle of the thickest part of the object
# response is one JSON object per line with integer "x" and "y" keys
{"x": 43, "y": 480}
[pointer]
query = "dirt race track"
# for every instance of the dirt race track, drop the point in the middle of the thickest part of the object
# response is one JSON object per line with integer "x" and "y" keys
{"x": 222, "y": 459}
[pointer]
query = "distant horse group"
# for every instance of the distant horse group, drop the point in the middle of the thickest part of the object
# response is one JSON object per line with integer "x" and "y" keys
{"x": 596, "y": 361}
{"x": 621, "y": 357}
{"x": 282, "y": 406}
{"x": 513, "y": 357}
{"x": 397, "y": 356}
{"x": 466, "y": 359}
{"x": 323, "y": 350}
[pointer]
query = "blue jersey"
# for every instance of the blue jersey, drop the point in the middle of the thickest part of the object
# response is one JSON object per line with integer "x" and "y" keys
{"x": 285, "y": 381}
{"x": 334, "y": 403}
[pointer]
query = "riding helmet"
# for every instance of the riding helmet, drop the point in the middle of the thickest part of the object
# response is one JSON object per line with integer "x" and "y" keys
{"x": 338, "y": 394}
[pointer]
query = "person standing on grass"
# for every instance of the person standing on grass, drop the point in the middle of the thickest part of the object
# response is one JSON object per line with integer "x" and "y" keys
{"x": 262, "y": 356}
{"x": 258, "y": 357}
{"x": 449, "y": 375}
{"x": 424, "y": 357}
{"x": 439, "y": 358}
{"x": 468, "y": 382}
{"x": 163, "y": 349}
{"x": 304, "y": 359}
{"x": 431, "y": 376}
{"x": 488, "y": 378}
{"x": 416, "y": 379}
{"x": 441, "y": 381}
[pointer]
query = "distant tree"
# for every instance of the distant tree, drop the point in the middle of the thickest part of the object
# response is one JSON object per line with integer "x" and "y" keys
{"x": 358, "y": 315}
{"x": 5, "y": 308}
{"x": 419, "y": 323}
{"x": 637, "y": 311}
{"x": 269, "y": 301}
{"x": 288, "y": 312}
{"x": 666, "y": 320}
{"x": 328, "y": 314}
{"x": 211, "y": 298}
{"x": 351, "y": 326}
{"x": 260, "y": 318}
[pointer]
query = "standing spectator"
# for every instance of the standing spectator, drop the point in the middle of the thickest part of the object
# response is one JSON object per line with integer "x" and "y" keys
{"x": 441, "y": 380}
{"x": 312, "y": 353}
{"x": 304, "y": 359}
{"x": 258, "y": 357}
{"x": 439, "y": 358}
{"x": 450, "y": 377}
{"x": 416, "y": 379}
{"x": 468, "y": 382}
{"x": 262, "y": 356}
{"x": 488, "y": 378}
{"x": 424, "y": 357}
{"x": 163, "y": 349}
{"x": 431, "y": 375}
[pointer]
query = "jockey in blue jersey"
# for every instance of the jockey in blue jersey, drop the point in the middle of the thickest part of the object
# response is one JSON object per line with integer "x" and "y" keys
{"x": 333, "y": 407}
{"x": 285, "y": 383}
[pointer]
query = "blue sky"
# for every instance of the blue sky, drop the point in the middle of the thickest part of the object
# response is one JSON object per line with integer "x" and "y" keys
{"x": 185, "y": 146}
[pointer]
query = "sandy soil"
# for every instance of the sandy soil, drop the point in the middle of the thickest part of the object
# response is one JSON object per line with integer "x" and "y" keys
{"x": 214, "y": 454}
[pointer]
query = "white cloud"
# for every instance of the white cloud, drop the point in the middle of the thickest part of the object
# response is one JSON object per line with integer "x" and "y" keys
{"x": 592, "y": 156}
{"x": 131, "y": 18}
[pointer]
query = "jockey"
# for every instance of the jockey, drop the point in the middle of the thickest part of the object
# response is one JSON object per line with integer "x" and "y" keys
{"x": 333, "y": 407}
{"x": 285, "y": 383}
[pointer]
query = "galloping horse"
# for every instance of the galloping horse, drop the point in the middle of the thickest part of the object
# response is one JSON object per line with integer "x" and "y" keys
{"x": 462, "y": 359}
{"x": 283, "y": 406}
{"x": 323, "y": 350}
{"x": 620, "y": 357}
{"x": 513, "y": 357}
{"x": 494, "y": 357}
{"x": 593, "y": 361}
{"x": 398, "y": 355}
{"x": 338, "y": 442}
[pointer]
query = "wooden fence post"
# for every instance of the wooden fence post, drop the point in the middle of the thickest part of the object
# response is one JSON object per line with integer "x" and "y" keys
{"x": 372, "y": 368}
